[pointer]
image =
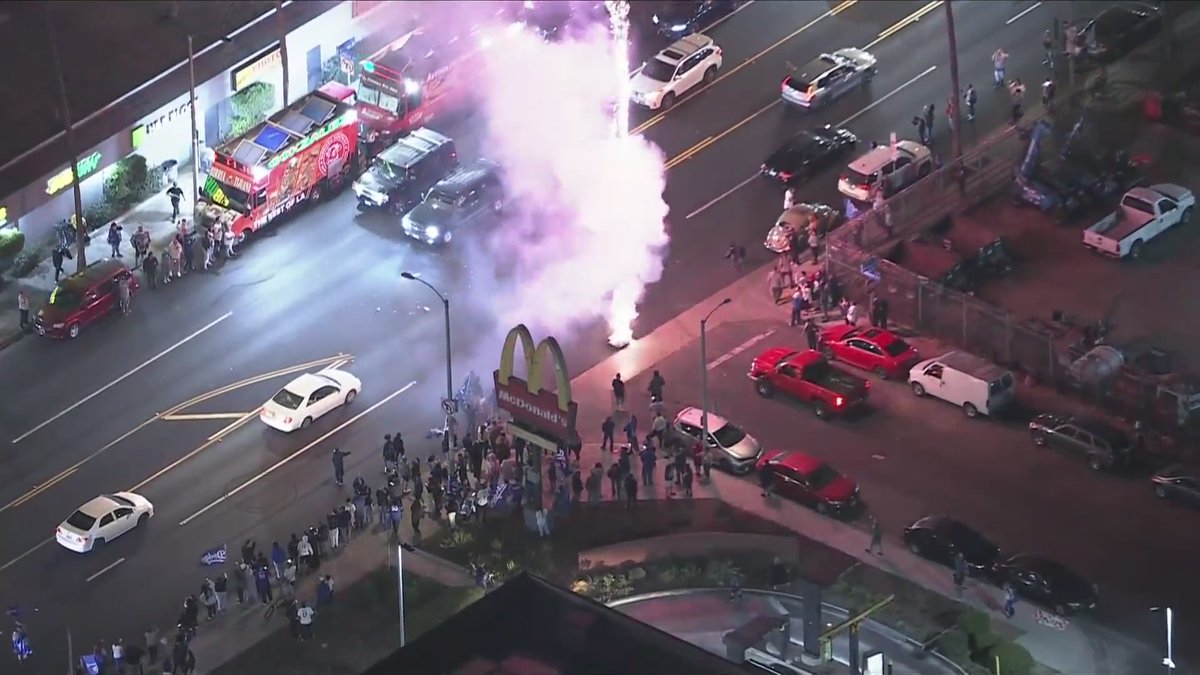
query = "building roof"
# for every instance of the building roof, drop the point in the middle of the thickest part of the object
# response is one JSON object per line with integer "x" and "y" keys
{"x": 114, "y": 51}
{"x": 529, "y": 626}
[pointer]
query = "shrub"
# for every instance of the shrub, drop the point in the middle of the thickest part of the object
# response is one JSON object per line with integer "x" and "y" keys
{"x": 12, "y": 241}
{"x": 1014, "y": 659}
{"x": 130, "y": 182}
{"x": 100, "y": 213}
{"x": 25, "y": 263}
{"x": 954, "y": 646}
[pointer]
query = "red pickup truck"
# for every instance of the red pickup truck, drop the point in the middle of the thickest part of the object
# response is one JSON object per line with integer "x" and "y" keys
{"x": 809, "y": 378}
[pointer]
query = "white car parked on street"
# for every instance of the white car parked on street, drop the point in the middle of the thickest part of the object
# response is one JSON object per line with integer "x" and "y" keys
{"x": 674, "y": 71}
{"x": 103, "y": 519}
{"x": 308, "y": 397}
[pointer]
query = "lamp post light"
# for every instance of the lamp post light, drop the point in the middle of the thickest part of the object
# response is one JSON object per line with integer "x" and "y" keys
{"x": 704, "y": 370}
{"x": 191, "y": 61}
{"x": 1169, "y": 659}
{"x": 446, "y": 306}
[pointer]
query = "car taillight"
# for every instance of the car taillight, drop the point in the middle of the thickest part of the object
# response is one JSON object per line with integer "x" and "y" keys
{"x": 717, "y": 51}
{"x": 866, "y": 384}
{"x": 784, "y": 84}
{"x": 287, "y": 420}
{"x": 838, "y": 402}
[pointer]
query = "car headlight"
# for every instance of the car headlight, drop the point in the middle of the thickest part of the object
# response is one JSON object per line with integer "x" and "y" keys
{"x": 679, "y": 27}
{"x": 432, "y": 232}
{"x": 654, "y": 18}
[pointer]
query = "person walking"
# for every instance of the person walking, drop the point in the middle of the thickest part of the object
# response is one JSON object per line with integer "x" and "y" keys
{"x": 221, "y": 587}
{"x": 114, "y": 239}
{"x": 1010, "y": 600}
{"x": 999, "y": 66}
{"x": 339, "y": 466}
{"x": 23, "y": 309}
{"x": 607, "y": 429}
{"x": 305, "y": 615}
{"x": 175, "y": 194}
{"x": 56, "y": 257}
{"x": 123, "y": 293}
{"x": 797, "y": 308}
{"x": 970, "y": 98}
{"x": 1048, "y": 49}
{"x": 1048, "y": 91}
{"x": 228, "y": 242}
{"x": 631, "y": 429}
{"x": 688, "y": 478}
{"x": 876, "y": 545}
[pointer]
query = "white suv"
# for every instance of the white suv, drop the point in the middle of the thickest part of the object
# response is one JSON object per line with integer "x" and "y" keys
{"x": 892, "y": 170}
{"x": 674, "y": 71}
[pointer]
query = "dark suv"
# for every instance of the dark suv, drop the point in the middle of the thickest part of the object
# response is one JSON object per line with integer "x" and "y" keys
{"x": 470, "y": 194}
{"x": 402, "y": 173}
{"x": 83, "y": 298}
{"x": 1101, "y": 444}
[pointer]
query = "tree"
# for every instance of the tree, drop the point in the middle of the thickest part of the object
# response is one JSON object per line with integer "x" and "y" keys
{"x": 65, "y": 111}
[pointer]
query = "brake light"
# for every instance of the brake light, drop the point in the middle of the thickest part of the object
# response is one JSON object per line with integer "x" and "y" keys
{"x": 866, "y": 384}
{"x": 717, "y": 51}
{"x": 838, "y": 402}
{"x": 287, "y": 420}
{"x": 784, "y": 84}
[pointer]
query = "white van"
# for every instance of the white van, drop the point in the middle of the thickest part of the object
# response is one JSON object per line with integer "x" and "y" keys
{"x": 976, "y": 385}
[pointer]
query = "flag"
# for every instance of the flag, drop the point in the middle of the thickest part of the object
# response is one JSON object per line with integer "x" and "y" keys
{"x": 214, "y": 556}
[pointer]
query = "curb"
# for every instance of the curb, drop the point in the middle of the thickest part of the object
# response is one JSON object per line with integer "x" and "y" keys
{"x": 10, "y": 340}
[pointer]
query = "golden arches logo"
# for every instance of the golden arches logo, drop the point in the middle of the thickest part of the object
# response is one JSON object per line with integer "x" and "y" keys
{"x": 536, "y": 358}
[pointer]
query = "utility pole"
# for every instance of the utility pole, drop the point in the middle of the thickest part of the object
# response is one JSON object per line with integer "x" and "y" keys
{"x": 65, "y": 108}
{"x": 955, "y": 90}
{"x": 704, "y": 372}
{"x": 283, "y": 55}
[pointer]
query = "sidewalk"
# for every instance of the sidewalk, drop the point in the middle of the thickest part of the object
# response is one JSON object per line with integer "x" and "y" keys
{"x": 1076, "y": 647}
{"x": 153, "y": 214}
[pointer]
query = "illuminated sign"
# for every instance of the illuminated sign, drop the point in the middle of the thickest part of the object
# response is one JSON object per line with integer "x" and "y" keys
{"x": 250, "y": 73}
{"x": 63, "y": 179}
{"x": 307, "y": 142}
{"x": 3, "y": 216}
{"x": 551, "y": 413}
{"x": 143, "y": 131}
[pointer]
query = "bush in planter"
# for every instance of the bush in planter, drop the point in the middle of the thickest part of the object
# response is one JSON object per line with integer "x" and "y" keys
{"x": 955, "y": 646}
{"x": 99, "y": 214}
{"x": 130, "y": 182}
{"x": 1014, "y": 659}
{"x": 25, "y": 263}
{"x": 12, "y": 241}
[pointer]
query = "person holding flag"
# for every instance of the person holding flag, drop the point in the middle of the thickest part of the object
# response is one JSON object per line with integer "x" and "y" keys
{"x": 22, "y": 647}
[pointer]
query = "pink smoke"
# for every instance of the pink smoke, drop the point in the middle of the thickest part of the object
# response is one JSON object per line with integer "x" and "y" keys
{"x": 584, "y": 230}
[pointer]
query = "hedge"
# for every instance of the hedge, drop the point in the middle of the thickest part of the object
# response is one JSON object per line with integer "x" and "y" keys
{"x": 25, "y": 263}
{"x": 12, "y": 241}
{"x": 130, "y": 182}
{"x": 1014, "y": 659}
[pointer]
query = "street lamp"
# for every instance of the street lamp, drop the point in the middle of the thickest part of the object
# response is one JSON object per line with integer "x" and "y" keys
{"x": 445, "y": 305}
{"x": 195, "y": 129}
{"x": 1169, "y": 660}
{"x": 400, "y": 549}
{"x": 704, "y": 370}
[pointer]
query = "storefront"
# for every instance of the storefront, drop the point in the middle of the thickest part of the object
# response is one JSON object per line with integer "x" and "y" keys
{"x": 163, "y": 136}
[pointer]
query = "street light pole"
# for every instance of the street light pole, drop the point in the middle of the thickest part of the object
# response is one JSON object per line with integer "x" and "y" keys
{"x": 400, "y": 586}
{"x": 704, "y": 370}
{"x": 1169, "y": 661}
{"x": 955, "y": 90}
{"x": 446, "y": 306}
{"x": 195, "y": 128}
{"x": 80, "y": 225}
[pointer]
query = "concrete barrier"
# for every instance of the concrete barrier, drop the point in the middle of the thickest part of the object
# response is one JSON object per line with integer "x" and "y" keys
{"x": 690, "y": 545}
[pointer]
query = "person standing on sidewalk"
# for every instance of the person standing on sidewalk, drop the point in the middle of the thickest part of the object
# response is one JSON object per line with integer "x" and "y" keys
{"x": 688, "y": 478}
{"x": 631, "y": 491}
{"x": 607, "y": 429}
{"x": 331, "y": 521}
{"x": 124, "y": 293}
{"x": 150, "y": 269}
{"x": 930, "y": 116}
{"x": 1017, "y": 91}
{"x": 1010, "y": 600}
{"x": 1048, "y": 91}
{"x": 876, "y": 545}
{"x": 618, "y": 389}
{"x": 657, "y": 382}
{"x": 922, "y": 129}
{"x": 141, "y": 245}
{"x": 1048, "y": 49}
{"x": 339, "y": 466}
{"x": 114, "y": 239}
{"x": 810, "y": 334}
{"x": 175, "y": 254}
{"x": 56, "y": 257}
{"x": 229, "y": 240}
{"x": 999, "y": 66}
{"x": 305, "y": 614}
{"x": 631, "y": 429}
{"x": 970, "y": 98}
{"x": 23, "y": 309}
{"x": 736, "y": 254}
{"x": 649, "y": 460}
{"x": 175, "y": 194}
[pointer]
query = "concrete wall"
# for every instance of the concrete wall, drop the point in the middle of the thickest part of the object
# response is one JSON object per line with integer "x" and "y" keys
{"x": 691, "y": 545}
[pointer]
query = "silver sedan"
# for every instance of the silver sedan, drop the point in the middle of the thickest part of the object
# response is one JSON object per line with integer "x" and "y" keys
{"x": 828, "y": 77}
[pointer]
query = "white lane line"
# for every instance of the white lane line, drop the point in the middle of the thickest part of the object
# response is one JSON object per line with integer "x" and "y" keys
{"x": 722, "y": 360}
{"x": 725, "y": 194}
{"x": 91, "y": 578}
{"x": 201, "y": 417}
{"x": 122, "y": 378}
{"x": 890, "y": 94}
{"x": 277, "y": 465}
{"x": 24, "y": 555}
{"x": 1023, "y": 13}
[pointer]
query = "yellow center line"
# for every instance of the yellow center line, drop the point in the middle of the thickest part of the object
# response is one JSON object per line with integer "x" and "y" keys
{"x": 691, "y": 95}
{"x": 904, "y": 23}
{"x": 694, "y": 150}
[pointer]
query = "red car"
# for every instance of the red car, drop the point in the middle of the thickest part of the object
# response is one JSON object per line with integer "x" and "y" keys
{"x": 83, "y": 298}
{"x": 873, "y": 349}
{"x": 809, "y": 481}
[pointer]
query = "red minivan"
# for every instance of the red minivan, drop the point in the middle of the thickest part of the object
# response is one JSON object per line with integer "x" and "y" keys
{"x": 82, "y": 298}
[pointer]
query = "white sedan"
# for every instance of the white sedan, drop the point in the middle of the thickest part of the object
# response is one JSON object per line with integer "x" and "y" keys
{"x": 308, "y": 397}
{"x": 103, "y": 519}
{"x": 686, "y": 64}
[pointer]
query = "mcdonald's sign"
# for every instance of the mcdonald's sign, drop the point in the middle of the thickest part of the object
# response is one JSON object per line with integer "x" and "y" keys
{"x": 550, "y": 413}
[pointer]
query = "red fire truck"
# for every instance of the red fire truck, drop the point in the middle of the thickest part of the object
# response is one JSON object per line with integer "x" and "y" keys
{"x": 300, "y": 154}
{"x": 415, "y": 79}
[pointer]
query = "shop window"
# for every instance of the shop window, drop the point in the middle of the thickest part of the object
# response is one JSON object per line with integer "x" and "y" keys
{"x": 314, "y": 67}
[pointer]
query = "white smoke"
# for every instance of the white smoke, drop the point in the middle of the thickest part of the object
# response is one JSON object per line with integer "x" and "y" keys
{"x": 584, "y": 229}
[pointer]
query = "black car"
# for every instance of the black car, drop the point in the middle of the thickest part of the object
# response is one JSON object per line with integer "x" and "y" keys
{"x": 554, "y": 20}
{"x": 677, "y": 18}
{"x": 401, "y": 175}
{"x": 1104, "y": 446}
{"x": 1178, "y": 482}
{"x": 1048, "y": 583}
{"x": 1119, "y": 30}
{"x": 808, "y": 153}
{"x": 470, "y": 194}
{"x": 939, "y": 538}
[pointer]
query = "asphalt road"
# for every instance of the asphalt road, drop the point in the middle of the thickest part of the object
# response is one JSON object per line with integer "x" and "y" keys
{"x": 326, "y": 282}
{"x": 914, "y": 457}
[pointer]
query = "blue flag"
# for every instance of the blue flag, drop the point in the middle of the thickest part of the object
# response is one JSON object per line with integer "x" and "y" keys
{"x": 214, "y": 556}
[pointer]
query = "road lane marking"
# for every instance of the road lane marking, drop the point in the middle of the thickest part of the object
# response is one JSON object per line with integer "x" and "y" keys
{"x": 212, "y": 440}
{"x": 723, "y": 195}
{"x": 202, "y": 417}
{"x": 904, "y": 23}
{"x": 109, "y": 567}
{"x": 122, "y": 378}
{"x": 277, "y": 465}
{"x": 240, "y": 421}
{"x": 49, "y": 482}
{"x": 890, "y": 94}
{"x": 659, "y": 117}
{"x": 725, "y": 358}
{"x": 25, "y": 555}
{"x": 691, "y": 152}
{"x": 1023, "y": 13}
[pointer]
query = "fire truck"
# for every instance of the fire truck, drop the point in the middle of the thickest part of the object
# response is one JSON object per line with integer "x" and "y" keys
{"x": 299, "y": 155}
{"x": 413, "y": 80}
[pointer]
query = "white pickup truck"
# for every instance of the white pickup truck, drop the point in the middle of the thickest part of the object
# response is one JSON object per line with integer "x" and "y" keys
{"x": 1144, "y": 213}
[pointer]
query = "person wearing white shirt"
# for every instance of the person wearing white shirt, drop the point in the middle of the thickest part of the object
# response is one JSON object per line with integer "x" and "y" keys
{"x": 305, "y": 615}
